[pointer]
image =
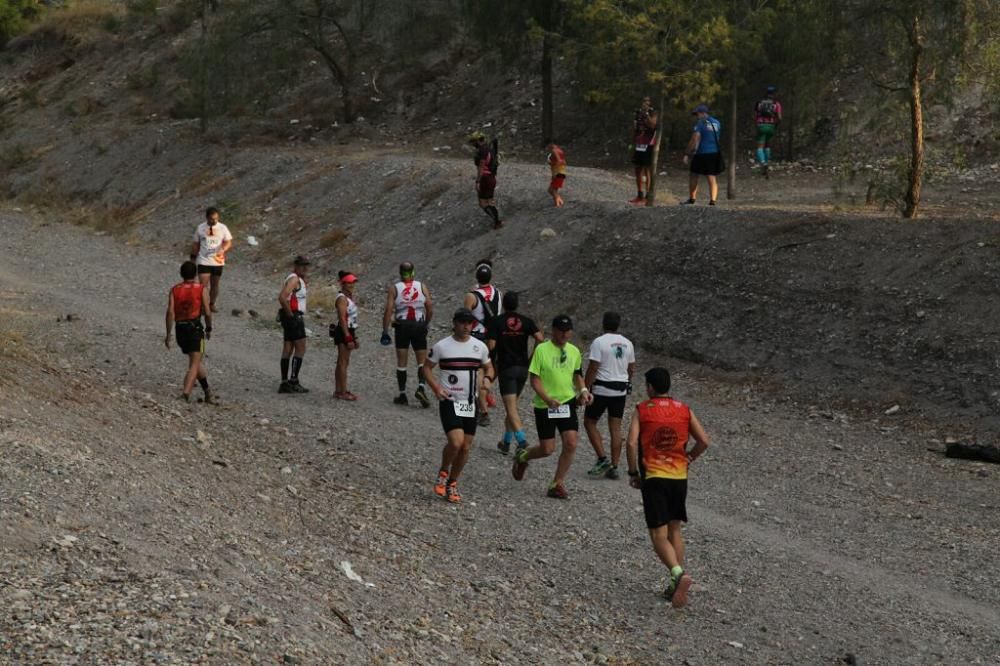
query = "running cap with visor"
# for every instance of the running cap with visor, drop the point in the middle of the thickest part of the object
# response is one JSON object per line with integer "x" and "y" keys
{"x": 771, "y": 90}
{"x": 476, "y": 137}
{"x": 406, "y": 269}
{"x": 464, "y": 314}
{"x": 301, "y": 261}
{"x": 349, "y": 278}
{"x": 701, "y": 108}
{"x": 562, "y": 323}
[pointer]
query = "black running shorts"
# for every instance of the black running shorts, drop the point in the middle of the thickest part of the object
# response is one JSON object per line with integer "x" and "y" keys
{"x": 512, "y": 379}
{"x": 211, "y": 270}
{"x": 411, "y": 334}
{"x": 707, "y": 164}
{"x": 451, "y": 421}
{"x": 643, "y": 158}
{"x": 664, "y": 500}
{"x": 294, "y": 327}
{"x": 339, "y": 337}
{"x": 615, "y": 407}
{"x": 547, "y": 427}
{"x": 486, "y": 187}
{"x": 190, "y": 336}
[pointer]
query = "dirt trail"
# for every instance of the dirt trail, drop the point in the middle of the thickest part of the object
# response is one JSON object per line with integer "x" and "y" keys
{"x": 813, "y": 535}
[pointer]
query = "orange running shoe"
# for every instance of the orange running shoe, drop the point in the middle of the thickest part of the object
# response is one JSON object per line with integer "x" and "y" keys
{"x": 441, "y": 487}
{"x": 453, "y": 495}
{"x": 680, "y": 596}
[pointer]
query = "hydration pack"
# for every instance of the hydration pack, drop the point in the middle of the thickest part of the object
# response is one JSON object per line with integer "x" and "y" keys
{"x": 494, "y": 156}
{"x": 767, "y": 108}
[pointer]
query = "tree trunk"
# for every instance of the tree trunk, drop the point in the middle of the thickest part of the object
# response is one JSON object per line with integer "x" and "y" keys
{"x": 547, "y": 128}
{"x": 790, "y": 127}
{"x": 655, "y": 166}
{"x": 733, "y": 134}
{"x": 345, "y": 95}
{"x": 911, "y": 200}
{"x": 203, "y": 93}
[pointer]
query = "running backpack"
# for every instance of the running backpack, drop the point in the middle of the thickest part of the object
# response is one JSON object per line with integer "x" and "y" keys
{"x": 494, "y": 156}
{"x": 767, "y": 108}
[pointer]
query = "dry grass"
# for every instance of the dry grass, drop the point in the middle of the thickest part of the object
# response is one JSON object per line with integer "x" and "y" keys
{"x": 207, "y": 187}
{"x": 433, "y": 193}
{"x": 57, "y": 204}
{"x": 331, "y": 239}
{"x": 81, "y": 23}
{"x": 301, "y": 182}
{"x": 322, "y": 297}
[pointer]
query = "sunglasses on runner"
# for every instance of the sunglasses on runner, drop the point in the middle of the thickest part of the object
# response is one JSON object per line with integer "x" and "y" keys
{"x": 563, "y": 357}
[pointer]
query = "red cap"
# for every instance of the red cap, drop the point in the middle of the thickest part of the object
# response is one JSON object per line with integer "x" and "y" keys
{"x": 349, "y": 278}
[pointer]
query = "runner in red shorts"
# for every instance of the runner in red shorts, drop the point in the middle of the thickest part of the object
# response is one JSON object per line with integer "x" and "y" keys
{"x": 557, "y": 163}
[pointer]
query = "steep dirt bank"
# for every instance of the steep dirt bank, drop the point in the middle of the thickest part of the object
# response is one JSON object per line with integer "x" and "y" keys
{"x": 863, "y": 311}
{"x": 137, "y": 529}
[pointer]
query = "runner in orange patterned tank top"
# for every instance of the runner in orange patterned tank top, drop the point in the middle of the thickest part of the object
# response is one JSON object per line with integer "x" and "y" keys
{"x": 186, "y": 305}
{"x": 658, "y": 460}
{"x": 557, "y": 164}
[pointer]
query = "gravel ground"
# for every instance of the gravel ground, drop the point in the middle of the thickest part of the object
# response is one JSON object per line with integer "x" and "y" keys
{"x": 138, "y": 529}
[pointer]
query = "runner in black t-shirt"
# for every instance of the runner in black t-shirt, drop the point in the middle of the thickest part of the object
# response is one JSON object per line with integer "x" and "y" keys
{"x": 507, "y": 337}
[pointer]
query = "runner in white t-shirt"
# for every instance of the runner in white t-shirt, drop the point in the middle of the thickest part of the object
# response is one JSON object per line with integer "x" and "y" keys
{"x": 609, "y": 378}
{"x": 208, "y": 249}
{"x": 460, "y": 358}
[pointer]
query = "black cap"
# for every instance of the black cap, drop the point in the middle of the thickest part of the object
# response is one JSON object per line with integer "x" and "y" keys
{"x": 484, "y": 272}
{"x": 562, "y": 323}
{"x": 301, "y": 261}
{"x": 464, "y": 314}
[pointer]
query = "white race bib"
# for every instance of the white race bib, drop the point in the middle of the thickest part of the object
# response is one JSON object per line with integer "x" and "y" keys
{"x": 560, "y": 412}
{"x": 465, "y": 409}
{"x": 641, "y": 147}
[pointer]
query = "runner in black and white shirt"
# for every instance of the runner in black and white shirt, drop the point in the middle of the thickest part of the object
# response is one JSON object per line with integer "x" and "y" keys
{"x": 460, "y": 358}
{"x": 609, "y": 378}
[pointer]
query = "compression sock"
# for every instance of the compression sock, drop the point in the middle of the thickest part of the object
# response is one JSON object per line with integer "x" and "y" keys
{"x": 401, "y": 379}
{"x": 204, "y": 383}
{"x": 296, "y": 366}
{"x": 493, "y": 213}
{"x": 761, "y": 156}
{"x": 508, "y": 437}
{"x": 284, "y": 369}
{"x": 767, "y": 154}
{"x": 520, "y": 437}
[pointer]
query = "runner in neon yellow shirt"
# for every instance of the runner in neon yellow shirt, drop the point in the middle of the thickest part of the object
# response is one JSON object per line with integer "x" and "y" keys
{"x": 556, "y": 373}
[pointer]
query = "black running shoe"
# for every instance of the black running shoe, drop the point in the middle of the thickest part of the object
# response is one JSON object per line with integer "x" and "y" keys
{"x": 400, "y": 400}
{"x": 712, "y": 202}
{"x": 503, "y": 447}
{"x": 285, "y": 387}
{"x": 421, "y": 395}
{"x": 298, "y": 388}
{"x": 689, "y": 202}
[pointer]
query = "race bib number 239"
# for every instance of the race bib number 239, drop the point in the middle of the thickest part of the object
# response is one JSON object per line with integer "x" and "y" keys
{"x": 465, "y": 409}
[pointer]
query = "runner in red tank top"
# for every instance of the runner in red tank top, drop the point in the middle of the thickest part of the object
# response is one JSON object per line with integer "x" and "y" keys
{"x": 186, "y": 305}
{"x": 658, "y": 460}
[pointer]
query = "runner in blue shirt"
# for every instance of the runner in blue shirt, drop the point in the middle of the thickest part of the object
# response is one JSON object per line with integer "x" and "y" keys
{"x": 704, "y": 154}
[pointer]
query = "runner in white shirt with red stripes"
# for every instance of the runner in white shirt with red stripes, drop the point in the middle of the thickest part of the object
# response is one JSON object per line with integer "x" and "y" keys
{"x": 460, "y": 358}
{"x": 609, "y": 378}
{"x": 408, "y": 310}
